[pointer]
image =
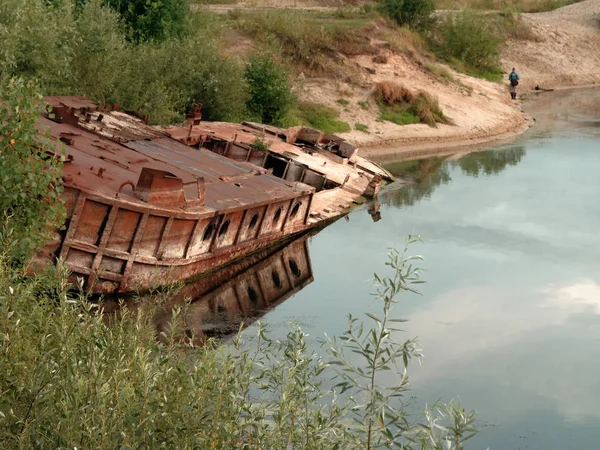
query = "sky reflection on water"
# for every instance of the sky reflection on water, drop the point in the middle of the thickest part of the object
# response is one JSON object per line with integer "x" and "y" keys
{"x": 509, "y": 319}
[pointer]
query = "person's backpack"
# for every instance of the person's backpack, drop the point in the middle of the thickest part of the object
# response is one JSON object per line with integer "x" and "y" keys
{"x": 514, "y": 82}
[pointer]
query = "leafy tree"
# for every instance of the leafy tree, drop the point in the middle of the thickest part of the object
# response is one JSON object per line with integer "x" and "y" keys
{"x": 413, "y": 13}
{"x": 30, "y": 173}
{"x": 35, "y": 42}
{"x": 271, "y": 96}
{"x": 151, "y": 20}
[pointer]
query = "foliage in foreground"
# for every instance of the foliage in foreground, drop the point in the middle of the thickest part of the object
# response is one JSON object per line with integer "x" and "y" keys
{"x": 30, "y": 173}
{"x": 72, "y": 377}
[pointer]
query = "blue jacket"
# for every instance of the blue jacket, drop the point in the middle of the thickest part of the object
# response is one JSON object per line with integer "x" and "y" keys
{"x": 513, "y": 76}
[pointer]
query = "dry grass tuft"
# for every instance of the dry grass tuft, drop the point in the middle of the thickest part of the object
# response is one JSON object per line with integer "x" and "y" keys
{"x": 427, "y": 108}
{"x": 399, "y": 105}
{"x": 391, "y": 93}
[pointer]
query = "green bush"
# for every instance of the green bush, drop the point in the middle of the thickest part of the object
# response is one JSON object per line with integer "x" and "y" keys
{"x": 413, "y": 13}
{"x": 468, "y": 42}
{"x": 99, "y": 58}
{"x": 317, "y": 116}
{"x": 30, "y": 174}
{"x": 151, "y": 20}
{"x": 36, "y": 41}
{"x": 271, "y": 97}
{"x": 87, "y": 53}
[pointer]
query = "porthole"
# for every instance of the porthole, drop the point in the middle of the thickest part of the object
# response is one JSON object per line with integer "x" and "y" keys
{"x": 294, "y": 268}
{"x": 253, "y": 222}
{"x": 252, "y": 295}
{"x": 208, "y": 232}
{"x": 276, "y": 279}
{"x": 224, "y": 228}
{"x": 295, "y": 210}
{"x": 277, "y": 216}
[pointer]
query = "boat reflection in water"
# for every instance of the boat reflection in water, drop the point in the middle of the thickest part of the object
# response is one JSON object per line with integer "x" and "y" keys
{"x": 220, "y": 302}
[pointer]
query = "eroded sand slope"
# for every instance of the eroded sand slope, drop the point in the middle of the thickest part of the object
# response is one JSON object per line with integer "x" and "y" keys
{"x": 566, "y": 53}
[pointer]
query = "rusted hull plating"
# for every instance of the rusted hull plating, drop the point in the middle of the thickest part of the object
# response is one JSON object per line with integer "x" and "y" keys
{"x": 145, "y": 209}
{"x": 114, "y": 247}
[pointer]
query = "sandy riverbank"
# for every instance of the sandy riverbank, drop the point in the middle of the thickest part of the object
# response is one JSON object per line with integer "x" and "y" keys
{"x": 566, "y": 54}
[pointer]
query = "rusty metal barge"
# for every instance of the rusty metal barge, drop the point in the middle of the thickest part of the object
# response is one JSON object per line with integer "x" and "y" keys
{"x": 148, "y": 206}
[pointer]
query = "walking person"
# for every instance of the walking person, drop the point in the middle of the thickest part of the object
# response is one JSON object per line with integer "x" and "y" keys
{"x": 514, "y": 81}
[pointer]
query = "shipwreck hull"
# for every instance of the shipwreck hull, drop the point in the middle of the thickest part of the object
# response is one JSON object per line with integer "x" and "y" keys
{"x": 146, "y": 209}
{"x": 114, "y": 246}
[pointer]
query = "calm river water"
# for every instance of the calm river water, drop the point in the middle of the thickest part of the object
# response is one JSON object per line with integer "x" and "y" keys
{"x": 509, "y": 319}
